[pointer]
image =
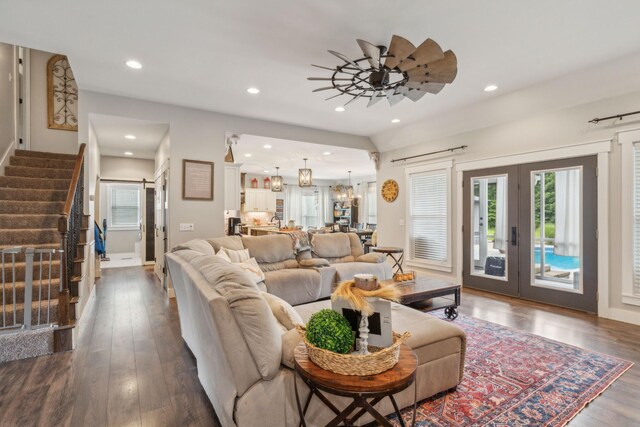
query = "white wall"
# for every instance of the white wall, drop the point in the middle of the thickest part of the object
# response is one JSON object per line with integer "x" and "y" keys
{"x": 112, "y": 167}
{"x": 42, "y": 138}
{"x": 162, "y": 153}
{"x": 543, "y": 131}
{"x": 7, "y": 104}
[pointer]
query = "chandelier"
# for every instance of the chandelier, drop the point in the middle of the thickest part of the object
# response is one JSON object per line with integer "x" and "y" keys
{"x": 407, "y": 72}
{"x": 345, "y": 192}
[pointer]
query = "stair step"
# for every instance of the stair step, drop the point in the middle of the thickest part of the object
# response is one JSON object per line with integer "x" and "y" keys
{"x": 34, "y": 183}
{"x": 28, "y": 221}
{"x": 38, "y": 172}
{"x": 20, "y": 268}
{"x": 44, "y": 155}
{"x": 33, "y": 195}
{"x": 26, "y": 237}
{"x": 36, "y": 162}
{"x": 31, "y": 208}
{"x": 8, "y": 312}
{"x": 35, "y": 293}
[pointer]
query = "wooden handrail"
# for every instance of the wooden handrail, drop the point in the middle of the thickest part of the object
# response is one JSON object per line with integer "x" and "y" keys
{"x": 74, "y": 181}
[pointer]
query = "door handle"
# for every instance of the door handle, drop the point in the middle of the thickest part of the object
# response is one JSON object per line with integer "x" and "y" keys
{"x": 514, "y": 236}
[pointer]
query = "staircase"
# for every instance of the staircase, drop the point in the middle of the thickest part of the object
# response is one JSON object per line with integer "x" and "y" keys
{"x": 33, "y": 195}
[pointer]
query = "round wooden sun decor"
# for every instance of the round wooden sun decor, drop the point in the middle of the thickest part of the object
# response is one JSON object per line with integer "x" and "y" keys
{"x": 390, "y": 190}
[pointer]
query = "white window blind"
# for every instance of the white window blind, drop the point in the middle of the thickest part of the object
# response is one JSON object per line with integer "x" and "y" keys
{"x": 429, "y": 217}
{"x": 636, "y": 219}
{"x": 124, "y": 206}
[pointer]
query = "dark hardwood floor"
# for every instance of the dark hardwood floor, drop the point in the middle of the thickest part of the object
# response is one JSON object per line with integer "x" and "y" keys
{"x": 131, "y": 367}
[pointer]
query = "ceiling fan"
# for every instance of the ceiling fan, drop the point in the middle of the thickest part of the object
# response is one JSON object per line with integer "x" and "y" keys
{"x": 397, "y": 72}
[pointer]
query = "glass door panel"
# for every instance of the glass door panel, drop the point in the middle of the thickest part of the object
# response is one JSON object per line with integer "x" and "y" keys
{"x": 489, "y": 225}
{"x": 556, "y": 245}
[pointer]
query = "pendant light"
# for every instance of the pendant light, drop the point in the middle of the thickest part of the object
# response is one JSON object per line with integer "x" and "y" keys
{"x": 304, "y": 176}
{"x": 276, "y": 182}
{"x": 349, "y": 188}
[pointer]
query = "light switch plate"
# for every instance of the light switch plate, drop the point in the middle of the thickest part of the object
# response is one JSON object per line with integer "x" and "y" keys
{"x": 186, "y": 227}
{"x": 401, "y": 223}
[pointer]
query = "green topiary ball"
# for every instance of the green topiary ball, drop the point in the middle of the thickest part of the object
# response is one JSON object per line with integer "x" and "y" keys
{"x": 330, "y": 330}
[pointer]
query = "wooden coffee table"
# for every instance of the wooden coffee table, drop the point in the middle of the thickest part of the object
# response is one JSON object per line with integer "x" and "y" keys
{"x": 428, "y": 294}
{"x": 365, "y": 391}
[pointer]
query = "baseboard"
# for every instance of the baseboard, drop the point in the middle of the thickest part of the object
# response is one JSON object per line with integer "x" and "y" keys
{"x": 621, "y": 315}
{"x": 4, "y": 161}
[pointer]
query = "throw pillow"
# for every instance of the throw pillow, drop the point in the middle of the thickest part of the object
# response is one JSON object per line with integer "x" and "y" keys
{"x": 222, "y": 254}
{"x": 282, "y": 310}
{"x": 252, "y": 269}
{"x": 237, "y": 256}
{"x": 290, "y": 340}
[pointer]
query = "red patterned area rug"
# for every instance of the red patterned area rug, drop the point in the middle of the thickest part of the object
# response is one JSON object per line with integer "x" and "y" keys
{"x": 514, "y": 378}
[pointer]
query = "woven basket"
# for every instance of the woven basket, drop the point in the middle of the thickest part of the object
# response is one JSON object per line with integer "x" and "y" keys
{"x": 378, "y": 360}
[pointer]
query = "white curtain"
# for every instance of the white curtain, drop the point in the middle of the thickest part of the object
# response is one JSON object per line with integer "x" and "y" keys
{"x": 500, "y": 239}
{"x": 567, "y": 240}
{"x": 293, "y": 204}
{"x": 326, "y": 212}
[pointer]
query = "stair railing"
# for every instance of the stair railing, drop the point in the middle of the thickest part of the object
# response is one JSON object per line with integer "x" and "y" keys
{"x": 69, "y": 226}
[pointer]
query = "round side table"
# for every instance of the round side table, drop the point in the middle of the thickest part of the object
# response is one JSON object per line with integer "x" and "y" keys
{"x": 366, "y": 391}
{"x": 396, "y": 254}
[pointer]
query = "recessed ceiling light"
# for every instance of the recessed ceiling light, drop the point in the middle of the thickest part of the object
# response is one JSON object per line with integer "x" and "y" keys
{"x": 267, "y": 146}
{"x": 133, "y": 64}
{"x": 130, "y": 136}
{"x": 340, "y": 109}
{"x": 490, "y": 88}
{"x": 327, "y": 153}
{"x": 265, "y": 171}
{"x": 128, "y": 153}
{"x": 247, "y": 155}
{"x": 395, "y": 121}
{"x": 253, "y": 90}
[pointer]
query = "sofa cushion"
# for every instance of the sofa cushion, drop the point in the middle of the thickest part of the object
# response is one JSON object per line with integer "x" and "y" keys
{"x": 252, "y": 313}
{"x": 295, "y": 286}
{"x": 198, "y": 245}
{"x": 229, "y": 242}
{"x": 373, "y": 257}
{"x": 356, "y": 244}
{"x": 333, "y": 245}
{"x": 290, "y": 340}
{"x": 272, "y": 266}
{"x": 285, "y": 314}
{"x": 269, "y": 249}
{"x": 314, "y": 262}
{"x": 346, "y": 271}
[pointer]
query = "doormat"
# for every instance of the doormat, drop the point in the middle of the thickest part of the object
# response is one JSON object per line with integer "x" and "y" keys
{"x": 513, "y": 378}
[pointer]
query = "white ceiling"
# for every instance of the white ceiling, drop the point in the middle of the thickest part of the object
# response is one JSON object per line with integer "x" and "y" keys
{"x": 111, "y": 131}
{"x": 289, "y": 155}
{"x": 205, "y": 53}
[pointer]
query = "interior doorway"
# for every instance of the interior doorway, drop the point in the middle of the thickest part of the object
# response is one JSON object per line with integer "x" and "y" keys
{"x": 530, "y": 231}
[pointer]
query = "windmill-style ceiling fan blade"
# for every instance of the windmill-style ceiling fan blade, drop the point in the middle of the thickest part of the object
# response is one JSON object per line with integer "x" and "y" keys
{"x": 444, "y": 70}
{"x": 330, "y": 87}
{"x": 393, "y": 97}
{"x": 400, "y": 48}
{"x": 374, "y": 98}
{"x": 354, "y": 98}
{"x": 433, "y": 88}
{"x": 371, "y": 51}
{"x": 323, "y": 67}
{"x": 335, "y": 96}
{"x": 345, "y": 59}
{"x": 414, "y": 95}
{"x": 328, "y": 78}
{"x": 428, "y": 51}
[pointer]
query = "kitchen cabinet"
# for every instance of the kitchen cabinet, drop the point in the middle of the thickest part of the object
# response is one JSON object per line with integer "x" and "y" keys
{"x": 259, "y": 200}
{"x": 232, "y": 187}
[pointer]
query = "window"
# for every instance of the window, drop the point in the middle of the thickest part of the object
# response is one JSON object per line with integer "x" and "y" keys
{"x": 124, "y": 207}
{"x": 310, "y": 214}
{"x": 428, "y": 239}
{"x": 630, "y": 215}
{"x": 372, "y": 203}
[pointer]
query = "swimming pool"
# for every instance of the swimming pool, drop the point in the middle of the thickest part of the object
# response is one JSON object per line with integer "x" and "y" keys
{"x": 558, "y": 262}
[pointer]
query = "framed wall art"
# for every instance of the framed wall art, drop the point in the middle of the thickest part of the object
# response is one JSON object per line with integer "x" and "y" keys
{"x": 197, "y": 180}
{"x": 62, "y": 95}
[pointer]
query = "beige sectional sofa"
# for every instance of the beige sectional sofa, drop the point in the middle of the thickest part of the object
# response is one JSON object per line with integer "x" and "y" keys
{"x": 244, "y": 353}
{"x": 304, "y": 275}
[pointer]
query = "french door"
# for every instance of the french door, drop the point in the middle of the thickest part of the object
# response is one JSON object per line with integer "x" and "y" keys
{"x": 530, "y": 231}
